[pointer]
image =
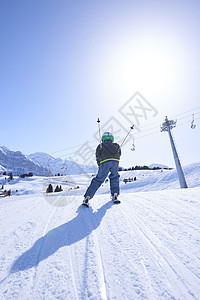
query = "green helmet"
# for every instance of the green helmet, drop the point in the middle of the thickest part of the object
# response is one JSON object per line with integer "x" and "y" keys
{"x": 107, "y": 136}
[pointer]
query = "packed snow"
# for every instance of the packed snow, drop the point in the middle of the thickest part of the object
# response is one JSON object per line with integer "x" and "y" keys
{"x": 147, "y": 247}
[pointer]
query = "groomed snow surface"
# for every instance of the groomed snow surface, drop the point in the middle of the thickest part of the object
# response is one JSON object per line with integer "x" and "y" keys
{"x": 147, "y": 247}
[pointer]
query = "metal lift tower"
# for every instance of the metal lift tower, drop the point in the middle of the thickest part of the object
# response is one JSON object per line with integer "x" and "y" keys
{"x": 167, "y": 126}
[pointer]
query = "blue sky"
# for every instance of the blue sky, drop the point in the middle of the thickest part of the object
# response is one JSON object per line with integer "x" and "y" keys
{"x": 65, "y": 63}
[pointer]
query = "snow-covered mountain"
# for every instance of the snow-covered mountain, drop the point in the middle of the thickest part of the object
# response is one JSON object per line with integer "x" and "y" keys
{"x": 58, "y": 165}
{"x": 38, "y": 163}
{"x": 18, "y": 163}
{"x": 48, "y": 162}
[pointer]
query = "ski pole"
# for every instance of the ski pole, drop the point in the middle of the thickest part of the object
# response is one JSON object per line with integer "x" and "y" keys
{"x": 98, "y": 121}
{"x": 127, "y": 135}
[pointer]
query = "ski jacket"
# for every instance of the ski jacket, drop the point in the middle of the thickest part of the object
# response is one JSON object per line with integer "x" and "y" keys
{"x": 107, "y": 151}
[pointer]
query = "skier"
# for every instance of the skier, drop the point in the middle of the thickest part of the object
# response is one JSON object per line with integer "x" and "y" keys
{"x": 107, "y": 156}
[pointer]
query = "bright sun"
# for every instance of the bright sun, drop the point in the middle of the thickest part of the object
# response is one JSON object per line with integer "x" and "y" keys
{"x": 150, "y": 69}
{"x": 147, "y": 68}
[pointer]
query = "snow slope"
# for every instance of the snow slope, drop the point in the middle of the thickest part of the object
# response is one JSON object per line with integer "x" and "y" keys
{"x": 145, "y": 248}
{"x": 161, "y": 179}
{"x": 2, "y": 169}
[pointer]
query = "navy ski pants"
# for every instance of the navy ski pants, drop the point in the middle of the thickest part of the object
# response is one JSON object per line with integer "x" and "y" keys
{"x": 104, "y": 168}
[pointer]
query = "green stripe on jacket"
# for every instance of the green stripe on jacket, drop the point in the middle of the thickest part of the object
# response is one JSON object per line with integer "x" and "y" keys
{"x": 108, "y": 160}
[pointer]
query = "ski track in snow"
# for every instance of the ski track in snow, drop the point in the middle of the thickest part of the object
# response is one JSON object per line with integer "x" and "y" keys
{"x": 90, "y": 254}
{"x": 166, "y": 260}
{"x": 147, "y": 247}
{"x": 36, "y": 276}
{"x": 69, "y": 288}
{"x": 93, "y": 240}
{"x": 187, "y": 231}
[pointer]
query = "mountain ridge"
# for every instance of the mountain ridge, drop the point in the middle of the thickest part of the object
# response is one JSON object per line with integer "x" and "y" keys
{"x": 18, "y": 163}
{"x": 38, "y": 163}
{"x": 41, "y": 163}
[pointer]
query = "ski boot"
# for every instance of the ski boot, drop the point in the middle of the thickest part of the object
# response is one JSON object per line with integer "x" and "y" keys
{"x": 86, "y": 201}
{"x": 114, "y": 199}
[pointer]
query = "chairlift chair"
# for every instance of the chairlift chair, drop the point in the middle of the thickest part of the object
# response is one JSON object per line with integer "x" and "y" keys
{"x": 192, "y": 123}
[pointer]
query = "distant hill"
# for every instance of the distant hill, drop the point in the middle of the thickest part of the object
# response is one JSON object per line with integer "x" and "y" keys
{"x": 152, "y": 166}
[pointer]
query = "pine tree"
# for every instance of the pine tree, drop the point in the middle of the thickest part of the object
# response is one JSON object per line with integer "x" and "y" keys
{"x": 49, "y": 189}
{"x": 56, "y": 189}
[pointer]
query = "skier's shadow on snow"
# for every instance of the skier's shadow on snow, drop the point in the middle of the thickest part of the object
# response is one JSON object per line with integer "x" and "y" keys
{"x": 66, "y": 234}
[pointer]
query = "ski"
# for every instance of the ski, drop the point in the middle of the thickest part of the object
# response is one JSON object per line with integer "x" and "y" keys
{"x": 117, "y": 201}
{"x": 85, "y": 204}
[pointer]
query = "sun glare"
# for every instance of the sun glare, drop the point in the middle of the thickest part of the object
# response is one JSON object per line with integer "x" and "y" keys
{"x": 146, "y": 68}
{"x": 150, "y": 69}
